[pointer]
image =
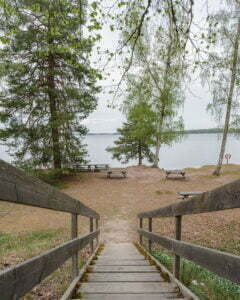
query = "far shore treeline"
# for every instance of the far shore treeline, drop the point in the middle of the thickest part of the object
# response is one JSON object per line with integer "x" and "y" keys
{"x": 194, "y": 131}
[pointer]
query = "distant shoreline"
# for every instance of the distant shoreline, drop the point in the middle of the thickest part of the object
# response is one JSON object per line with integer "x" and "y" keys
{"x": 190, "y": 131}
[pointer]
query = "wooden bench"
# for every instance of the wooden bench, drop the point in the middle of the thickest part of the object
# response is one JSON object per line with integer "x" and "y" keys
{"x": 91, "y": 167}
{"x": 175, "y": 172}
{"x": 83, "y": 168}
{"x": 116, "y": 172}
{"x": 186, "y": 195}
{"x": 101, "y": 167}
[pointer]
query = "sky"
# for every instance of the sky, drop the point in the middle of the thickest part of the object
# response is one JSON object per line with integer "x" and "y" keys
{"x": 197, "y": 97}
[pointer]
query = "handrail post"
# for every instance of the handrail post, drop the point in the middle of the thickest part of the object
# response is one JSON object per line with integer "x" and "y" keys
{"x": 97, "y": 229}
{"x": 91, "y": 230}
{"x": 141, "y": 226}
{"x": 150, "y": 230}
{"x": 178, "y": 231}
{"x": 74, "y": 234}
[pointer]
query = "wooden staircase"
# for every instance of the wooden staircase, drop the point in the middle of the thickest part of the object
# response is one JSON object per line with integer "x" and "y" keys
{"x": 121, "y": 272}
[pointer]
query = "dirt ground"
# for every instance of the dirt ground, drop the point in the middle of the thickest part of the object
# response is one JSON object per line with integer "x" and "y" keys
{"x": 119, "y": 200}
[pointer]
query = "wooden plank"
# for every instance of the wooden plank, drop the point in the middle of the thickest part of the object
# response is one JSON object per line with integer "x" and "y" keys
{"x": 21, "y": 188}
{"x": 161, "y": 296}
{"x": 121, "y": 262}
{"x": 74, "y": 234}
{"x": 140, "y": 226}
{"x": 91, "y": 230}
{"x": 124, "y": 277}
{"x": 69, "y": 292}
{"x": 127, "y": 269}
{"x": 178, "y": 233}
{"x": 126, "y": 287}
{"x": 223, "y": 264}
{"x": 127, "y": 256}
{"x": 20, "y": 279}
{"x": 150, "y": 229}
{"x": 183, "y": 289}
{"x": 187, "y": 194}
{"x": 224, "y": 197}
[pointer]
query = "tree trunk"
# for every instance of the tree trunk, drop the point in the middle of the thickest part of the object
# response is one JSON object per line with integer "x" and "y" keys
{"x": 229, "y": 102}
{"x": 139, "y": 154}
{"x": 53, "y": 114}
{"x": 156, "y": 156}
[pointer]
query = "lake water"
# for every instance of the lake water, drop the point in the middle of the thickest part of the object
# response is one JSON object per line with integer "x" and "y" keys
{"x": 194, "y": 150}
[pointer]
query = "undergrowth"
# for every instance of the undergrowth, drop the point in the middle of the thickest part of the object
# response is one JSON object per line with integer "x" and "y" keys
{"x": 54, "y": 177}
{"x": 205, "y": 284}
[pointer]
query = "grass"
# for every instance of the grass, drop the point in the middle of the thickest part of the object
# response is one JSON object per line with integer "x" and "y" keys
{"x": 164, "y": 192}
{"x": 16, "y": 248}
{"x": 22, "y": 246}
{"x": 205, "y": 284}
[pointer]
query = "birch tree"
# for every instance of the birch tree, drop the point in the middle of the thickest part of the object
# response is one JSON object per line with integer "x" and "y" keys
{"x": 223, "y": 71}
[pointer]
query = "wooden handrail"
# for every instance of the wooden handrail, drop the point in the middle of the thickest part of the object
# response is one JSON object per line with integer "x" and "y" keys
{"x": 20, "y": 279}
{"x": 18, "y": 187}
{"x": 224, "y": 264}
{"x": 224, "y": 197}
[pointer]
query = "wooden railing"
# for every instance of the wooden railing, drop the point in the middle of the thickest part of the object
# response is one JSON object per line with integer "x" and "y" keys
{"x": 20, "y": 188}
{"x": 223, "y": 264}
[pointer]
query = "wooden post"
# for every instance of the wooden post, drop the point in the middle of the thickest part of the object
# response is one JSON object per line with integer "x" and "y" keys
{"x": 74, "y": 234}
{"x": 141, "y": 226}
{"x": 97, "y": 229}
{"x": 178, "y": 231}
{"x": 91, "y": 230}
{"x": 150, "y": 230}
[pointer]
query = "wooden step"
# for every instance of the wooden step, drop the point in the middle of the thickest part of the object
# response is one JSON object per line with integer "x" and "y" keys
{"x": 130, "y": 297}
{"x": 124, "y": 277}
{"x": 126, "y": 287}
{"x": 123, "y": 269}
{"x": 121, "y": 262}
{"x": 128, "y": 256}
{"x": 121, "y": 272}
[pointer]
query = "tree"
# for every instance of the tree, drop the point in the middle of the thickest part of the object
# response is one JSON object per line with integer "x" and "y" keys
{"x": 223, "y": 71}
{"x": 159, "y": 59}
{"x": 135, "y": 139}
{"x": 49, "y": 85}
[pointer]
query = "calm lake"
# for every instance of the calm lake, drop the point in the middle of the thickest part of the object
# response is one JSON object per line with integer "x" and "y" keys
{"x": 194, "y": 150}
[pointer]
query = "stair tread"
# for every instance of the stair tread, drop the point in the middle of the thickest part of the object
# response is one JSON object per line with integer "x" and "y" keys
{"x": 121, "y": 262}
{"x": 128, "y": 269}
{"x": 126, "y": 287}
{"x": 124, "y": 277}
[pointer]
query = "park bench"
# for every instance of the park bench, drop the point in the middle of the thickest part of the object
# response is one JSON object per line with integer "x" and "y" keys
{"x": 116, "y": 172}
{"x": 101, "y": 167}
{"x": 82, "y": 168}
{"x": 175, "y": 172}
{"x": 91, "y": 167}
{"x": 186, "y": 195}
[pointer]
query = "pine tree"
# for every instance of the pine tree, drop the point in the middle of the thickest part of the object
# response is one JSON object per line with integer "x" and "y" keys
{"x": 49, "y": 85}
{"x": 135, "y": 139}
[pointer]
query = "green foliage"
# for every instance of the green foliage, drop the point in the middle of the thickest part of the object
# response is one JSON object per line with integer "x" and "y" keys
{"x": 136, "y": 135}
{"x": 205, "y": 284}
{"x": 49, "y": 86}
{"x": 53, "y": 177}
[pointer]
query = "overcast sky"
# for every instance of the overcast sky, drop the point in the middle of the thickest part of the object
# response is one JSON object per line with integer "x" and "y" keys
{"x": 105, "y": 119}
